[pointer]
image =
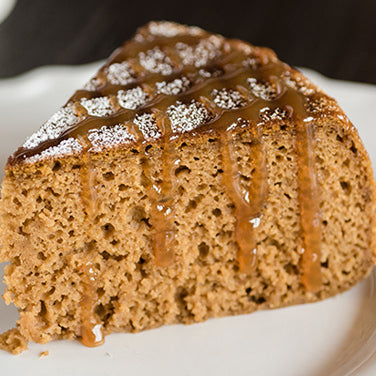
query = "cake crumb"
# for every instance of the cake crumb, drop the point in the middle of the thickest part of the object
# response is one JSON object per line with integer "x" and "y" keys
{"x": 43, "y": 354}
{"x": 109, "y": 354}
{"x": 13, "y": 341}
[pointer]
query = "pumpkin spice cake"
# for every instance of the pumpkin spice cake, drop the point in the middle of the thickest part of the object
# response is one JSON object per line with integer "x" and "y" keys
{"x": 193, "y": 177}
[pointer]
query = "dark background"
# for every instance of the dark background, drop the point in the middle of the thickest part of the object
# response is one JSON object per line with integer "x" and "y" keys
{"x": 334, "y": 37}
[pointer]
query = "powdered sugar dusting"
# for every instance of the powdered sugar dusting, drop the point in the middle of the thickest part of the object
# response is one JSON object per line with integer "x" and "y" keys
{"x": 300, "y": 84}
{"x": 120, "y": 73}
{"x": 54, "y": 127}
{"x": 132, "y": 99}
{"x": 107, "y": 137}
{"x": 66, "y": 147}
{"x": 263, "y": 90}
{"x": 147, "y": 123}
{"x": 92, "y": 84}
{"x": 171, "y": 29}
{"x": 268, "y": 114}
{"x": 100, "y": 106}
{"x": 228, "y": 99}
{"x": 200, "y": 55}
{"x": 204, "y": 73}
{"x": 252, "y": 62}
{"x": 156, "y": 61}
{"x": 321, "y": 106}
{"x": 174, "y": 87}
{"x": 186, "y": 117}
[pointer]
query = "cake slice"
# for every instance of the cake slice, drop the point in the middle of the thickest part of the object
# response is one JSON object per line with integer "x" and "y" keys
{"x": 193, "y": 177}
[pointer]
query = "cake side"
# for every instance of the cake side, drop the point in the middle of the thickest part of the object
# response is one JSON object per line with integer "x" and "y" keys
{"x": 52, "y": 239}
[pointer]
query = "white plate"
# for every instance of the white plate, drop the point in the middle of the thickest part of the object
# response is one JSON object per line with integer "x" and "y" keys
{"x": 333, "y": 337}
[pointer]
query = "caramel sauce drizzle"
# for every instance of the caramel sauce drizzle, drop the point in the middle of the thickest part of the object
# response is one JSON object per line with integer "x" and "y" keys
{"x": 249, "y": 203}
{"x": 161, "y": 193}
{"x": 92, "y": 333}
{"x": 162, "y": 215}
{"x": 88, "y": 193}
{"x": 309, "y": 206}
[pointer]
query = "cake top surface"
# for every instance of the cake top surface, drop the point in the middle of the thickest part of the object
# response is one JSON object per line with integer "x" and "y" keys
{"x": 171, "y": 79}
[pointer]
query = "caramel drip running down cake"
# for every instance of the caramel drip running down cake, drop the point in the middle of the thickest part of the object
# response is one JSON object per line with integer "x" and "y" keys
{"x": 192, "y": 177}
